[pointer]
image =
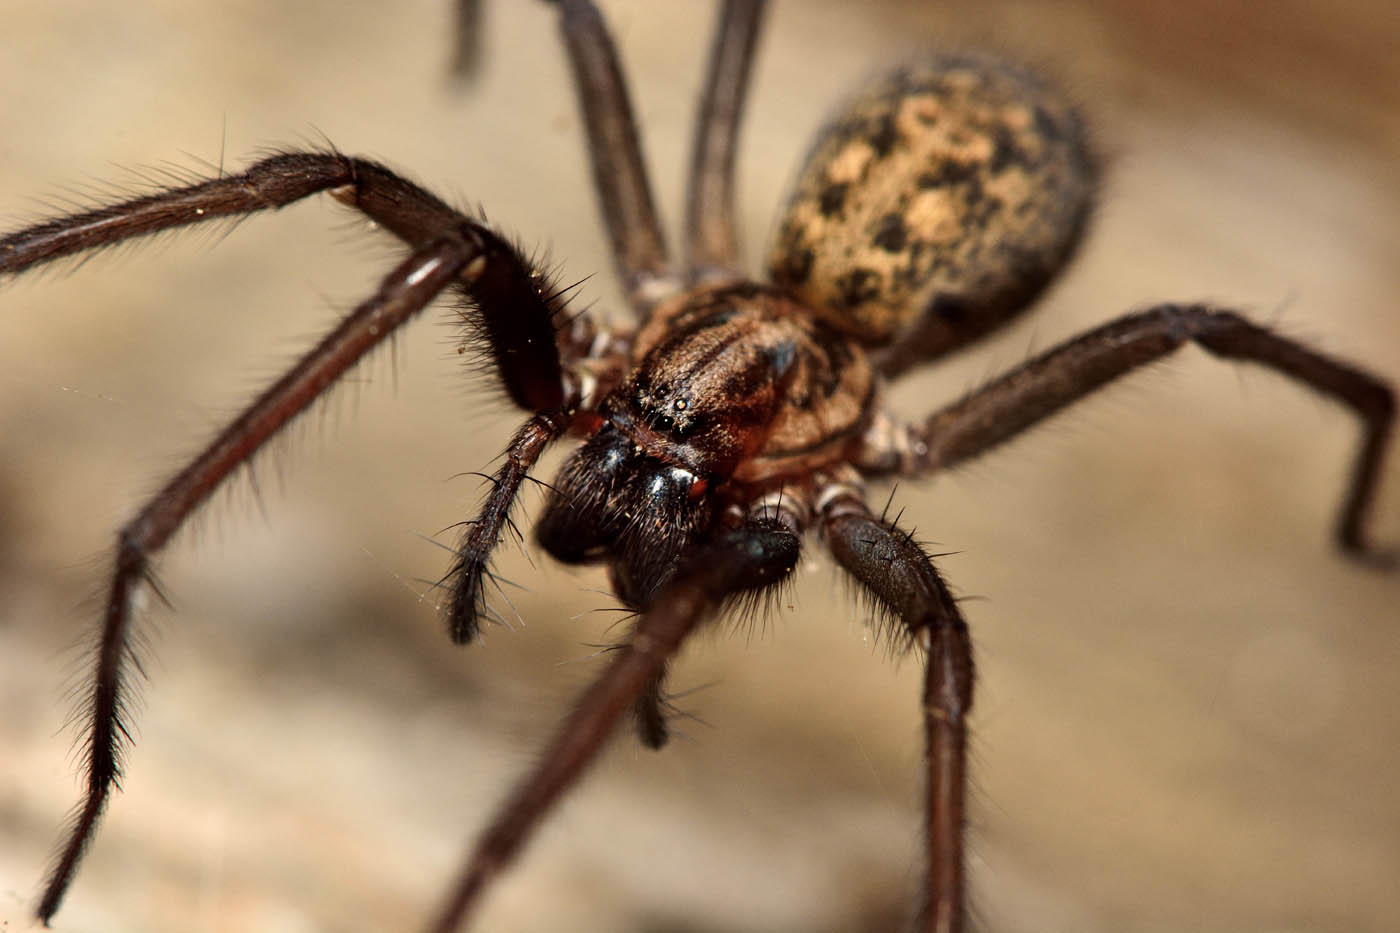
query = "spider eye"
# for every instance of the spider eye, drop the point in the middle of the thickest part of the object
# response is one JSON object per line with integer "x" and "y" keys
{"x": 679, "y": 427}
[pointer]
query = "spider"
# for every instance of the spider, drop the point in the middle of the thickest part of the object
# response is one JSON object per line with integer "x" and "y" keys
{"x": 788, "y": 498}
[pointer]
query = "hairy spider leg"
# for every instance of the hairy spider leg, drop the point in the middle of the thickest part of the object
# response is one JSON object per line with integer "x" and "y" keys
{"x": 619, "y": 168}
{"x": 471, "y": 570}
{"x": 405, "y": 292}
{"x": 759, "y": 554}
{"x": 1044, "y": 385}
{"x": 518, "y": 311}
{"x": 712, "y": 246}
{"x": 517, "y": 316}
{"x": 615, "y": 152}
{"x": 902, "y": 578}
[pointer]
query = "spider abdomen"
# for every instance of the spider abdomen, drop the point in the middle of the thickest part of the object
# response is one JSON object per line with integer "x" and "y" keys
{"x": 937, "y": 205}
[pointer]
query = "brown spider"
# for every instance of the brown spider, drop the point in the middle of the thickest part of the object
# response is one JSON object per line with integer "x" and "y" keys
{"x": 639, "y": 571}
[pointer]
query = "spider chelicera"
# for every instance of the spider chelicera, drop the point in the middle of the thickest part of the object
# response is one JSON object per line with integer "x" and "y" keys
{"x": 750, "y": 541}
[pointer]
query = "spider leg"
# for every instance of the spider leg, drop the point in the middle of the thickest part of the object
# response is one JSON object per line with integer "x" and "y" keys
{"x": 404, "y": 292}
{"x": 466, "y": 44}
{"x": 517, "y": 310}
{"x": 754, "y": 556}
{"x": 469, "y": 571}
{"x": 649, "y": 713}
{"x": 902, "y": 578}
{"x": 1042, "y": 386}
{"x": 712, "y": 249}
{"x": 615, "y": 150}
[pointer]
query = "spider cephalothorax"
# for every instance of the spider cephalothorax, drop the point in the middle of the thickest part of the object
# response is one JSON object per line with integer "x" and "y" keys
{"x": 732, "y": 417}
{"x": 734, "y": 390}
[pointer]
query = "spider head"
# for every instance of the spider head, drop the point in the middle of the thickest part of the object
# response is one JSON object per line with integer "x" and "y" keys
{"x": 700, "y": 402}
{"x": 616, "y": 501}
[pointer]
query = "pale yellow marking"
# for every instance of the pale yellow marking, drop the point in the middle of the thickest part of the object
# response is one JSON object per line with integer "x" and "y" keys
{"x": 910, "y": 117}
{"x": 933, "y": 217}
{"x": 850, "y": 163}
{"x": 1011, "y": 186}
{"x": 1017, "y": 117}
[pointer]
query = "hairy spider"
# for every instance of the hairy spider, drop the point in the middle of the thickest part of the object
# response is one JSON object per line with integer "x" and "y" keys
{"x": 633, "y": 584}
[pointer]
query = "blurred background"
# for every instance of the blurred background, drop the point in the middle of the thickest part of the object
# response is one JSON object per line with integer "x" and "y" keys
{"x": 1189, "y": 708}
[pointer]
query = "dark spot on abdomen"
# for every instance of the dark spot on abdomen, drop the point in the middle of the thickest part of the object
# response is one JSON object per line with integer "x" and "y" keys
{"x": 885, "y": 136}
{"x": 857, "y": 286}
{"x": 891, "y": 235}
{"x": 833, "y": 198}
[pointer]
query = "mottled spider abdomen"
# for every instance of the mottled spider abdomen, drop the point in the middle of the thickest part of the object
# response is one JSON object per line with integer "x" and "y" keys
{"x": 937, "y": 205}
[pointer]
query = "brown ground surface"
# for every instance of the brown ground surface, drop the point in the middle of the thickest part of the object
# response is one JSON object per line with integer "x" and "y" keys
{"x": 1189, "y": 715}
